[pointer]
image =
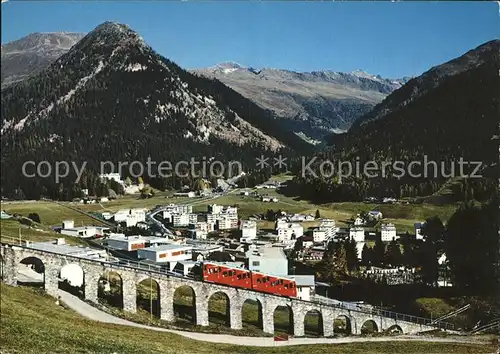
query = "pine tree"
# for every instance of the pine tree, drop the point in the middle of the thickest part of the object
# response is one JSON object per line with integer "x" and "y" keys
{"x": 378, "y": 252}
{"x": 366, "y": 256}
{"x": 393, "y": 254}
{"x": 341, "y": 260}
{"x": 471, "y": 246}
{"x": 351, "y": 255}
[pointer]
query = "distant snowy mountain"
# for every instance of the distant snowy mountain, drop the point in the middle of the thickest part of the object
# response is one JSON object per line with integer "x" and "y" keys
{"x": 33, "y": 53}
{"x": 312, "y": 104}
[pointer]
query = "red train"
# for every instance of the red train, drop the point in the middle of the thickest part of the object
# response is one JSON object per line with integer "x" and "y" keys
{"x": 246, "y": 279}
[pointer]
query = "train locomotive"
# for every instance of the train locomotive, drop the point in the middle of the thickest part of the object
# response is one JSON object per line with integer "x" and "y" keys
{"x": 245, "y": 279}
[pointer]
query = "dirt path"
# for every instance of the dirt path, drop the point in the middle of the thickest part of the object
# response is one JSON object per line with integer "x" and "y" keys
{"x": 95, "y": 314}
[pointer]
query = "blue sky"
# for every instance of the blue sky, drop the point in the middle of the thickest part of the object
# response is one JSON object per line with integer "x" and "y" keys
{"x": 390, "y": 39}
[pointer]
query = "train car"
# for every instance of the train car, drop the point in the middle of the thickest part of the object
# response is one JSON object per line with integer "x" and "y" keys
{"x": 273, "y": 284}
{"x": 224, "y": 274}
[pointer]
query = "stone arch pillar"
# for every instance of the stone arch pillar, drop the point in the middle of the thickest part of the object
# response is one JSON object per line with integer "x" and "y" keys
{"x": 268, "y": 307}
{"x": 129, "y": 290}
{"x": 91, "y": 275}
{"x": 167, "y": 290}
{"x": 201, "y": 300}
{"x": 298, "y": 314}
{"x": 51, "y": 279}
{"x": 328, "y": 319}
{"x": 10, "y": 259}
{"x": 235, "y": 307}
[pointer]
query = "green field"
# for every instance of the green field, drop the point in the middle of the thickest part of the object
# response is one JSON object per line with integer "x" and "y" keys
{"x": 12, "y": 231}
{"x": 50, "y": 213}
{"x": 33, "y": 323}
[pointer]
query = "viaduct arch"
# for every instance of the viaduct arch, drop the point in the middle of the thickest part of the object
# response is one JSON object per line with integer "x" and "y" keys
{"x": 131, "y": 277}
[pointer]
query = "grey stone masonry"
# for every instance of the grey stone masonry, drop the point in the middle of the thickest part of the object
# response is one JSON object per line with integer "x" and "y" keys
{"x": 11, "y": 256}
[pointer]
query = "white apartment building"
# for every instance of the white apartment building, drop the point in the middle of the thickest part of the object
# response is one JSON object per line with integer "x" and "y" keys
{"x": 225, "y": 217}
{"x": 180, "y": 220}
{"x": 201, "y": 229}
{"x": 286, "y": 232}
{"x": 227, "y": 222}
{"x": 357, "y": 234}
{"x": 176, "y": 209}
{"x": 329, "y": 226}
{"x": 388, "y": 233}
{"x": 248, "y": 230}
{"x": 319, "y": 235}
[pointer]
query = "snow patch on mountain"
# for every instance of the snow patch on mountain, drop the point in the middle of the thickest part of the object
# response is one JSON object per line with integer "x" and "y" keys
{"x": 135, "y": 67}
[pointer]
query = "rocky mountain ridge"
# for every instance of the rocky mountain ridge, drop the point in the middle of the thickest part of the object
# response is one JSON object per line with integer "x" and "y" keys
{"x": 311, "y": 103}
{"x": 33, "y": 53}
{"x": 432, "y": 78}
{"x": 112, "y": 97}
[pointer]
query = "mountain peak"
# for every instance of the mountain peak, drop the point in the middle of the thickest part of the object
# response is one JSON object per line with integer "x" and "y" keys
{"x": 230, "y": 65}
{"x": 111, "y": 31}
{"x": 227, "y": 67}
{"x": 111, "y": 26}
{"x": 104, "y": 42}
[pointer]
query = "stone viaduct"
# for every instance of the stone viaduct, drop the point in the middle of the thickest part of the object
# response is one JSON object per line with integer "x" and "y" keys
{"x": 12, "y": 256}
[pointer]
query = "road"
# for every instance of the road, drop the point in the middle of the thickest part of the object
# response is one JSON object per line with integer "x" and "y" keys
{"x": 95, "y": 314}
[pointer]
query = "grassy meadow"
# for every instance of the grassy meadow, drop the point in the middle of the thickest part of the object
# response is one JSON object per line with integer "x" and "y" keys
{"x": 32, "y": 323}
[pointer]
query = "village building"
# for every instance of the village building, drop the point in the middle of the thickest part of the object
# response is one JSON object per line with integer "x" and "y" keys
{"x": 305, "y": 286}
{"x": 170, "y": 253}
{"x": 319, "y": 235}
{"x": 329, "y": 227}
{"x": 418, "y": 230}
{"x": 268, "y": 260}
{"x": 126, "y": 243}
{"x": 289, "y": 231}
{"x": 375, "y": 214}
{"x": 388, "y": 232}
{"x": 357, "y": 234}
{"x": 248, "y": 230}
